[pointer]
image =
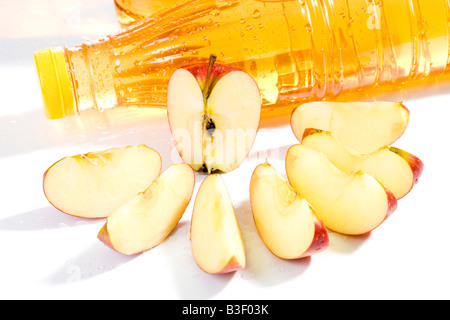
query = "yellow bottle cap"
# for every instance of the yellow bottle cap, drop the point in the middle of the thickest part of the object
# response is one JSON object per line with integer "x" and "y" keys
{"x": 55, "y": 83}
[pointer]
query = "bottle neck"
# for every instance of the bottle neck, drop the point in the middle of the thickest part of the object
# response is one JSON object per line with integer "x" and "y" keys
{"x": 91, "y": 75}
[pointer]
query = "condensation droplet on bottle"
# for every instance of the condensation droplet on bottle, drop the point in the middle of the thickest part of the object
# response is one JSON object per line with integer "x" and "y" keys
{"x": 215, "y": 12}
{"x": 249, "y": 27}
{"x": 242, "y": 21}
{"x": 256, "y": 14}
{"x": 308, "y": 27}
{"x": 161, "y": 73}
{"x": 242, "y": 34}
{"x": 261, "y": 25}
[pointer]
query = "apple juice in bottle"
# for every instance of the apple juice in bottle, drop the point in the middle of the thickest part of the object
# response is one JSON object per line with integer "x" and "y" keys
{"x": 297, "y": 51}
{"x": 129, "y": 11}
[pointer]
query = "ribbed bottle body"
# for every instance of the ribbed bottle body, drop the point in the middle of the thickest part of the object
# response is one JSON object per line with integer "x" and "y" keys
{"x": 297, "y": 51}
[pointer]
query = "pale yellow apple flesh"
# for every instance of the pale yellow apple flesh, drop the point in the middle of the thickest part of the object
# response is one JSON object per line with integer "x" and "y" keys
{"x": 362, "y": 126}
{"x": 395, "y": 170}
{"x": 147, "y": 219}
{"x": 285, "y": 222}
{"x": 216, "y": 134}
{"x": 93, "y": 185}
{"x": 348, "y": 203}
{"x": 216, "y": 240}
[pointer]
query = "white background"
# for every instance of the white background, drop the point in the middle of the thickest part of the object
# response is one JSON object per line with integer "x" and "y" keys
{"x": 46, "y": 254}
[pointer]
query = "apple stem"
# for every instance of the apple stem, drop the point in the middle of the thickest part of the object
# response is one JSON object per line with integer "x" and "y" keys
{"x": 207, "y": 89}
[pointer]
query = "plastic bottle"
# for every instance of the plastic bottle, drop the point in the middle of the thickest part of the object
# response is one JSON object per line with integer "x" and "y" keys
{"x": 297, "y": 51}
{"x": 129, "y": 11}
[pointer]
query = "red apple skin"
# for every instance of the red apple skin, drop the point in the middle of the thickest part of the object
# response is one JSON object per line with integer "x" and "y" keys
{"x": 320, "y": 241}
{"x": 392, "y": 206}
{"x": 232, "y": 266}
{"x": 414, "y": 162}
{"x": 103, "y": 236}
{"x": 311, "y": 131}
{"x": 43, "y": 182}
{"x": 201, "y": 70}
{"x": 43, "y": 188}
{"x": 392, "y": 203}
{"x": 48, "y": 199}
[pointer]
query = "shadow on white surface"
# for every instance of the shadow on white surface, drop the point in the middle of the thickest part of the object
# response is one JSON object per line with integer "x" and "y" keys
{"x": 345, "y": 243}
{"x": 272, "y": 155}
{"x": 42, "y": 219}
{"x": 31, "y": 131}
{"x": 94, "y": 261}
{"x": 190, "y": 281}
{"x": 263, "y": 267}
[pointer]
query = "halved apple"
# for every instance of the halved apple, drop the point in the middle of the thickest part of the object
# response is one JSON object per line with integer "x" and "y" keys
{"x": 396, "y": 169}
{"x": 216, "y": 239}
{"x": 348, "y": 203}
{"x": 148, "y": 218}
{"x": 93, "y": 185}
{"x": 362, "y": 126}
{"x": 214, "y": 114}
{"x": 285, "y": 222}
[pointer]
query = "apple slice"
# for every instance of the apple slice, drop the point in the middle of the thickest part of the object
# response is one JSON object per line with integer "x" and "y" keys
{"x": 214, "y": 114}
{"x": 348, "y": 203}
{"x": 362, "y": 126}
{"x": 148, "y": 218}
{"x": 285, "y": 222}
{"x": 93, "y": 185}
{"x": 396, "y": 169}
{"x": 216, "y": 240}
